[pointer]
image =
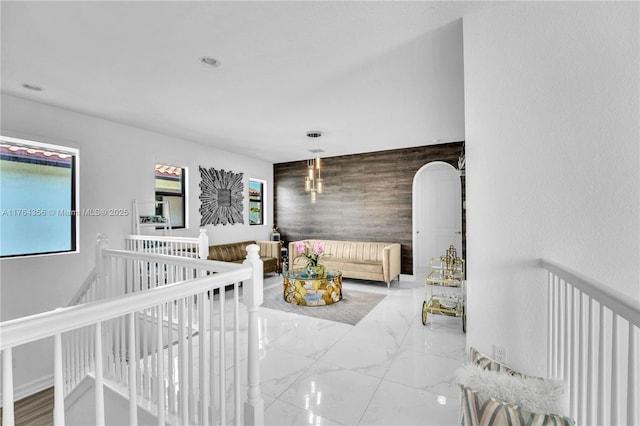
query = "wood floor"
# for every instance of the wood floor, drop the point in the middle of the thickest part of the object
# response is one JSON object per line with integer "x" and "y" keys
{"x": 34, "y": 410}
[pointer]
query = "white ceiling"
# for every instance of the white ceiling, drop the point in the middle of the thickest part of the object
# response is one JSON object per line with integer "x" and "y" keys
{"x": 370, "y": 75}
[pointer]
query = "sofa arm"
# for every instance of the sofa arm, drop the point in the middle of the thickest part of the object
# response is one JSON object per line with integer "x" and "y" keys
{"x": 270, "y": 249}
{"x": 391, "y": 262}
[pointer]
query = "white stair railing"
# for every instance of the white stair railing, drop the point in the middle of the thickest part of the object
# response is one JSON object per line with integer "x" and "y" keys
{"x": 197, "y": 248}
{"x": 160, "y": 331}
{"x": 593, "y": 346}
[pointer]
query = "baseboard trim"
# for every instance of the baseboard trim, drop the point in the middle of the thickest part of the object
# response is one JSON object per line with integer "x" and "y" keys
{"x": 29, "y": 389}
{"x": 405, "y": 277}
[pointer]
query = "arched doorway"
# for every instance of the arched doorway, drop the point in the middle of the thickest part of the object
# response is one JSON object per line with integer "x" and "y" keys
{"x": 437, "y": 213}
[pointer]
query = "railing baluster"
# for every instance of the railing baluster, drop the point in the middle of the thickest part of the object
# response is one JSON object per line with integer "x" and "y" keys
{"x": 556, "y": 327}
{"x": 7, "y": 388}
{"x": 591, "y": 398}
{"x": 601, "y": 367}
{"x": 632, "y": 384}
{"x": 160, "y": 393}
{"x": 99, "y": 389}
{"x": 133, "y": 388}
{"x": 189, "y": 302}
{"x": 204, "y": 359}
{"x": 572, "y": 357}
{"x": 566, "y": 374}
{"x": 58, "y": 382}
{"x": 67, "y": 364}
{"x": 551, "y": 327}
{"x": 144, "y": 355}
{"x": 614, "y": 370}
{"x": 84, "y": 345}
{"x": 170, "y": 341}
{"x": 580, "y": 394}
{"x": 223, "y": 351}
{"x": 73, "y": 375}
{"x": 153, "y": 355}
{"x": 212, "y": 372}
{"x": 236, "y": 352}
{"x": 561, "y": 327}
{"x": 183, "y": 377}
{"x": 122, "y": 353}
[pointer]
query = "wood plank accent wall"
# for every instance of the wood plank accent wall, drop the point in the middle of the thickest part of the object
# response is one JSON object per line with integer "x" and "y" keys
{"x": 367, "y": 197}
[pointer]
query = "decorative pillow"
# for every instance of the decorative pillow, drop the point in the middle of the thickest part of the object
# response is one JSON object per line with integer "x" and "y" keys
{"x": 480, "y": 409}
{"x": 531, "y": 393}
{"x": 487, "y": 363}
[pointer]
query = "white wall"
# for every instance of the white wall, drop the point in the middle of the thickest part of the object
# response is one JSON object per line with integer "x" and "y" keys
{"x": 116, "y": 165}
{"x": 552, "y": 131}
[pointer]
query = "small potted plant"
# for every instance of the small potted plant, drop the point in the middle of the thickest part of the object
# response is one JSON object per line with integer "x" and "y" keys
{"x": 314, "y": 268}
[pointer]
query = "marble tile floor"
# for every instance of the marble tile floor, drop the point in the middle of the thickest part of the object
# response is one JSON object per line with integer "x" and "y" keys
{"x": 388, "y": 369}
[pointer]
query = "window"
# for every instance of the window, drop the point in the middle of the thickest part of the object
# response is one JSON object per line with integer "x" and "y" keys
{"x": 256, "y": 201}
{"x": 170, "y": 188}
{"x": 38, "y": 185}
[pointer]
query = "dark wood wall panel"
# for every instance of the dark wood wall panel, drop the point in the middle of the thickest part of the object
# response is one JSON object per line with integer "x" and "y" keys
{"x": 367, "y": 197}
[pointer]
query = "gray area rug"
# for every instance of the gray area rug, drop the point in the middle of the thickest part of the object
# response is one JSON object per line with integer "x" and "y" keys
{"x": 350, "y": 310}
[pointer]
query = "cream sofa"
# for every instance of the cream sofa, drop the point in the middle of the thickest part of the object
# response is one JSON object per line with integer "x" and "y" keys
{"x": 355, "y": 259}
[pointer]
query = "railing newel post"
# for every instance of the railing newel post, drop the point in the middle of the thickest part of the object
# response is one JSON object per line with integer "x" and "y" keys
{"x": 253, "y": 298}
{"x": 203, "y": 244}
{"x": 101, "y": 244}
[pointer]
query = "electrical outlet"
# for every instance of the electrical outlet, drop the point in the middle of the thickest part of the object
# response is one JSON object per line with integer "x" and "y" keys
{"x": 500, "y": 353}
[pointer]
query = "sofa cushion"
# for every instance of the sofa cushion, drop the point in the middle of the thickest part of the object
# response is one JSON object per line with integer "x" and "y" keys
{"x": 352, "y": 265}
{"x": 353, "y": 250}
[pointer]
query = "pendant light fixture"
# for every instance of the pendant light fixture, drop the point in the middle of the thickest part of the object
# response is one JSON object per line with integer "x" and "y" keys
{"x": 313, "y": 182}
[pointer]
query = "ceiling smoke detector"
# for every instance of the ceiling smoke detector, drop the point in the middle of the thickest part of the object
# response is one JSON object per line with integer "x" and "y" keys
{"x": 314, "y": 133}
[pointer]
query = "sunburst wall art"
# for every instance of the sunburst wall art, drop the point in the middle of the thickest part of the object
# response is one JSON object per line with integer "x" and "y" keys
{"x": 221, "y": 197}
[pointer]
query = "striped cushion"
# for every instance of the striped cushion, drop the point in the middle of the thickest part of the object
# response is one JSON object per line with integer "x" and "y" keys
{"x": 479, "y": 409}
{"x": 487, "y": 363}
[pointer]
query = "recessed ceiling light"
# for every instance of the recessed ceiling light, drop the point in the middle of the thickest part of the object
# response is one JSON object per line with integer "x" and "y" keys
{"x": 31, "y": 87}
{"x": 210, "y": 62}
